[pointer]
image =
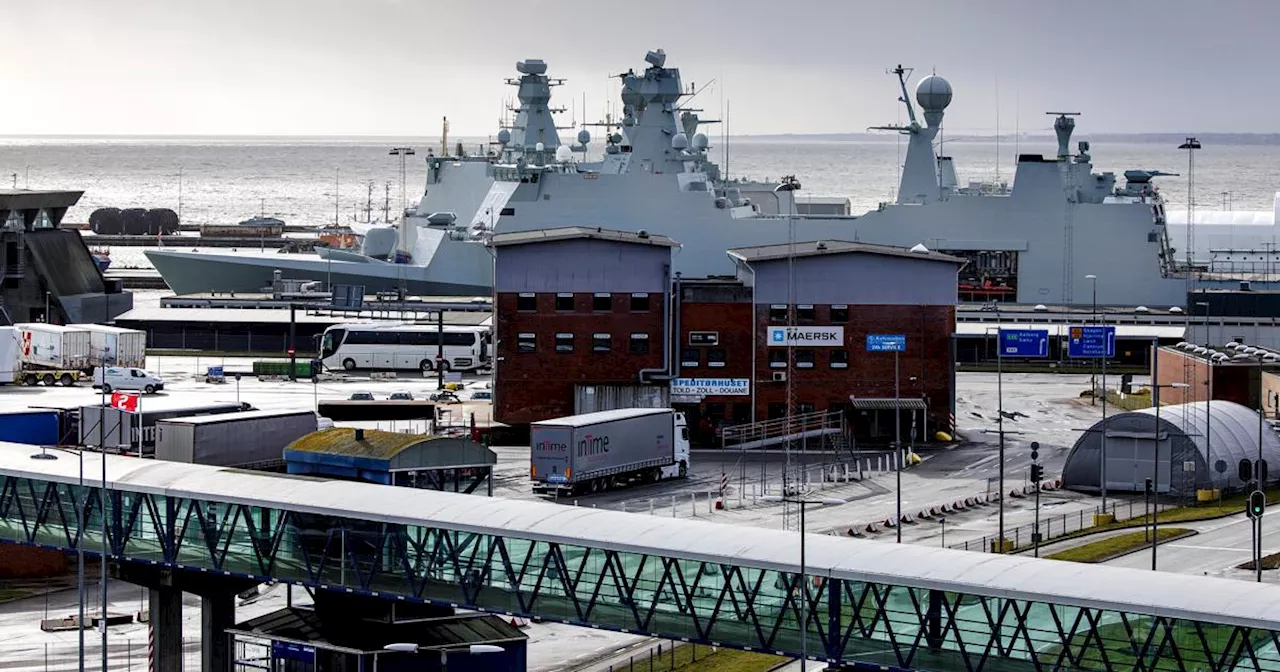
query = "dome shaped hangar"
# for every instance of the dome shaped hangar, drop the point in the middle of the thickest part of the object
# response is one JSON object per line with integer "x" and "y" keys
{"x": 1200, "y": 447}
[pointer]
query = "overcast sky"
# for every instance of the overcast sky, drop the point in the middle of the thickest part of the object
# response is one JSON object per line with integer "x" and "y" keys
{"x": 395, "y": 67}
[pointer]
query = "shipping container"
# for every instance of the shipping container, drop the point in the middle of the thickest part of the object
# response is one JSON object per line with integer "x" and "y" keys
{"x": 248, "y": 439}
{"x": 120, "y": 430}
{"x": 608, "y": 449}
{"x": 38, "y": 427}
{"x": 595, "y": 398}
{"x": 115, "y": 346}
{"x": 52, "y": 346}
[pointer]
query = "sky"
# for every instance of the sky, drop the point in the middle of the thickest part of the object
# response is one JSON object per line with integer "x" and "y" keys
{"x": 396, "y": 67}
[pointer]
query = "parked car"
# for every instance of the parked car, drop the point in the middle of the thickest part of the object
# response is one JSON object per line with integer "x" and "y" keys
{"x": 401, "y": 396}
{"x": 446, "y": 397}
{"x": 361, "y": 396}
{"x": 482, "y": 395}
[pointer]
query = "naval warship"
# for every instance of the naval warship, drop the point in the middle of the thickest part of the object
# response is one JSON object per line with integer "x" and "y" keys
{"x": 1032, "y": 243}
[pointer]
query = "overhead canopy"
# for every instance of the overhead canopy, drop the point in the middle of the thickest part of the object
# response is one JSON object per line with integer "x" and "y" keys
{"x": 888, "y": 404}
{"x": 377, "y": 450}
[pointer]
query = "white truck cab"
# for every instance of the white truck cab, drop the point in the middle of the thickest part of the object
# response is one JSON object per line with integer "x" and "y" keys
{"x": 681, "y": 434}
{"x": 126, "y": 378}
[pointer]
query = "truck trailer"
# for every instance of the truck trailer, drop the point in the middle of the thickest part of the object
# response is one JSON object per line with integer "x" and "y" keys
{"x": 248, "y": 439}
{"x": 115, "y": 346}
{"x": 51, "y": 353}
{"x": 608, "y": 449}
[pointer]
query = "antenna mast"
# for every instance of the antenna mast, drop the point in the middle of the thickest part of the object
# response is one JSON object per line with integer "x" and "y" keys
{"x": 444, "y": 137}
{"x": 997, "y": 129}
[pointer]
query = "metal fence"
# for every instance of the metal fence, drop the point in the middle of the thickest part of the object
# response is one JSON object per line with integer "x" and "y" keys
{"x": 1060, "y": 525}
{"x": 124, "y": 654}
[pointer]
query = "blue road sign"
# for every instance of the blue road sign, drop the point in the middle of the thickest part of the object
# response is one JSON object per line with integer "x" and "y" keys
{"x": 1024, "y": 343}
{"x": 1091, "y": 342}
{"x": 886, "y": 343}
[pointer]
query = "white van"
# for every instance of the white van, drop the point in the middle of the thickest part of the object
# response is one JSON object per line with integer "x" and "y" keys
{"x": 126, "y": 378}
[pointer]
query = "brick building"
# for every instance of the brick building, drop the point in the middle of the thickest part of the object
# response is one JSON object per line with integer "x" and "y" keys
{"x": 1235, "y": 372}
{"x": 576, "y": 310}
{"x": 734, "y": 362}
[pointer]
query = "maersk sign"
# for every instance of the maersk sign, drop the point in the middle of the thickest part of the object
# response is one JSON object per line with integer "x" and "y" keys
{"x": 829, "y": 337}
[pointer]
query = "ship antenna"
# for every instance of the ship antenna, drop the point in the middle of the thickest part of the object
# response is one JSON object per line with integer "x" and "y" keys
{"x": 997, "y": 128}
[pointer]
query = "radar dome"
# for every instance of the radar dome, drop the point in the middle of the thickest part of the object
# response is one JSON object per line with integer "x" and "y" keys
{"x": 679, "y": 141}
{"x": 584, "y": 137}
{"x": 539, "y": 147}
{"x": 700, "y": 141}
{"x": 933, "y": 93}
{"x": 616, "y": 138}
{"x": 563, "y": 154}
{"x": 504, "y": 136}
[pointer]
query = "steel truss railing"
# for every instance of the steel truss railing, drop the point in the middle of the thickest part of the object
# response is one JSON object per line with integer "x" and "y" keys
{"x": 678, "y": 598}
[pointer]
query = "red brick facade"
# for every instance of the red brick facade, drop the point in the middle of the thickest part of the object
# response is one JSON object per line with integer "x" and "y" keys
{"x": 925, "y": 368}
{"x": 731, "y": 323}
{"x": 1230, "y": 382}
{"x": 536, "y": 385}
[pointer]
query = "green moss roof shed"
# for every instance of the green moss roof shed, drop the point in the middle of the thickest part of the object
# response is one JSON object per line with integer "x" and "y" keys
{"x": 378, "y": 456}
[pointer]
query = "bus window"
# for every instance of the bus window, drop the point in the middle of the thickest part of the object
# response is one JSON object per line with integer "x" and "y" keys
{"x": 332, "y": 339}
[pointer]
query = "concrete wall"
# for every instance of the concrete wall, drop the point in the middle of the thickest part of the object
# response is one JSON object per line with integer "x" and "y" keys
{"x": 866, "y": 279}
{"x": 581, "y": 265}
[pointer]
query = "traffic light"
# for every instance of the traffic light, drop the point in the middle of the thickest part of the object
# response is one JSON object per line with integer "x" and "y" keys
{"x": 1037, "y": 473}
{"x": 1257, "y": 504}
{"x": 1245, "y": 470}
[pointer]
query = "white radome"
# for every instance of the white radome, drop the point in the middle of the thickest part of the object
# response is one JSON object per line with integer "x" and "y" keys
{"x": 933, "y": 93}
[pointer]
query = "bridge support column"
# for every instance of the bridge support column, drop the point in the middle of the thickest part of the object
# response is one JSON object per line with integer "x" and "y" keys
{"x": 165, "y": 606}
{"x": 933, "y": 621}
{"x": 217, "y": 613}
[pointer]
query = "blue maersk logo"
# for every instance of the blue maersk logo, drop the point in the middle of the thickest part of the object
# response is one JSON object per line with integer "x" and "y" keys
{"x": 778, "y": 335}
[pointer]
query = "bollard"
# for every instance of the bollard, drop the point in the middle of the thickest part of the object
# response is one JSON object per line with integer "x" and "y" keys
{"x": 624, "y": 506}
{"x": 651, "y": 507}
{"x": 673, "y": 506}
{"x": 575, "y": 502}
{"x": 693, "y": 504}
{"x": 711, "y": 507}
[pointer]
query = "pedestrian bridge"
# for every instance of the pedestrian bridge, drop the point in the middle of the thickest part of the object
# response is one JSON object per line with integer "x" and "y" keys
{"x": 868, "y": 602}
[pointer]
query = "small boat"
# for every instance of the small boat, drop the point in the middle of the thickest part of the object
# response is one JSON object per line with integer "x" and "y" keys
{"x": 101, "y": 257}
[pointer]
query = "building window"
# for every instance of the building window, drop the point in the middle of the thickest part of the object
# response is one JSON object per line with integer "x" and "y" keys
{"x": 527, "y": 302}
{"x": 806, "y": 313}
{"x": 805, "y": 359}
{"x": 564, "y": 302}
{"x": 564, "y": 343}
{"x": 639, "y": 344}
{"x": 777, "y": 313}
{"x": 778, "y": 358}
{"x": 602, "y": 302}
{"x": 690, "y": 357}
{"x": 839, "y": 359}
{"x": 803, "y": 407}
{"x": 640, "y": 303}
{"x": 601, "y": 342}
{"x": 839, "y": 313}
{"x": 527, "y": 342}
{"x": 715, "y": 357}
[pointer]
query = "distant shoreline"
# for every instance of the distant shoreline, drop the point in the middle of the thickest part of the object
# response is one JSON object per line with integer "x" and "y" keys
{"x": 1252, "y": 139}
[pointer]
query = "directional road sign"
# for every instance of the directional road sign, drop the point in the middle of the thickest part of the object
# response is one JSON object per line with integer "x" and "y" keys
{"x": 1024, "y": 343}
{"x": 1092, "y": 341}
{"x": 886, "y": 343}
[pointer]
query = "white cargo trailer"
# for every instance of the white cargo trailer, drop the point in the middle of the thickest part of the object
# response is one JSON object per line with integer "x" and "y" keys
{"x": 116, "y": 346}
{"x": 10, "y": 362}
{"x": 248, "y": 439}
{"x": 53, "y": 346}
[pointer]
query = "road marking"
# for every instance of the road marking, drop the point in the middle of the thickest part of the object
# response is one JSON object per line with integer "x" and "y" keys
{"x": 1208, "y": 548}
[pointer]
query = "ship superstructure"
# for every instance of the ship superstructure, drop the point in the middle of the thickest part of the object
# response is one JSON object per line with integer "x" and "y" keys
{"x": 1033, "y": 243}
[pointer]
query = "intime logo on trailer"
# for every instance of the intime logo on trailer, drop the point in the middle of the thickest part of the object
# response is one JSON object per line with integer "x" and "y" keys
{"x": 551, "y": 447}
{"x": 593, "y": 445}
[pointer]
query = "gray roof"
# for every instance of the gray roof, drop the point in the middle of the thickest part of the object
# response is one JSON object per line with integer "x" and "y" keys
{"x": 579, "y": 232}
{"x": 821, "y": 247}
{"x": 1013, "y": 577}
{"x": 32, "y": 199}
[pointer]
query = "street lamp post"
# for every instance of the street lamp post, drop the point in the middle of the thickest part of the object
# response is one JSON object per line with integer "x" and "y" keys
{"x": 1155, "y": 386}
{"x": 1093, "y": 379}
{"x": 804, "y": 587}
{"x": 1102, "y": 484}
{"x": 942, "y": 520}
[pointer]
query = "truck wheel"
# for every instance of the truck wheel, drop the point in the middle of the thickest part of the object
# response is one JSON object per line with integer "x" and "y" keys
{"x": 30, "y": 380}
{"x": 349, "y": 364}
{"x": 106, "y": 389}
{"x": 150, "y": 389}
{"x": 595, "y": 485}
{"x": 47, "y": 379}
{"x": 67, "y": 380}
{"x": 425, "y": 365}
{"x": 684, "y": 470}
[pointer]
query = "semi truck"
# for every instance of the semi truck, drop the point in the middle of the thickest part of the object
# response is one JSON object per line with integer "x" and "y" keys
{"x": 115, "y": 346}
{"x": 605, "y": 450}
